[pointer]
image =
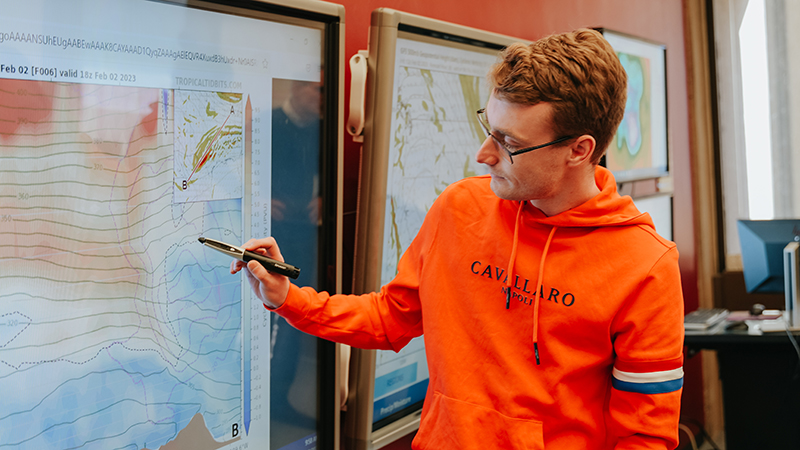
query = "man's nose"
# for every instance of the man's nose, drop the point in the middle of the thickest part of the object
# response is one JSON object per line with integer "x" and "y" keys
{"x": 487, "y": 153}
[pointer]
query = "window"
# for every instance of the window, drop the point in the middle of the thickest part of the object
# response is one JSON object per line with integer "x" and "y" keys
{"x": 758, "y": 84}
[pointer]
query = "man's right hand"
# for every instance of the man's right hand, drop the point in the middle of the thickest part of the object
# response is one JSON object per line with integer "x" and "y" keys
{"x": 271, "y": 288}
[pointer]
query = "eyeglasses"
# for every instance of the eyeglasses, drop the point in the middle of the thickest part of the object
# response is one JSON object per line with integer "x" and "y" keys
{"x": 509, "y": 151}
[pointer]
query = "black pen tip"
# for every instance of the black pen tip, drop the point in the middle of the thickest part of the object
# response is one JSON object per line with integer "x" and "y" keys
{"x": 202, "y": 240}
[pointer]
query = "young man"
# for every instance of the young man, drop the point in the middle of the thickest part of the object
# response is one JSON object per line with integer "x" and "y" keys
{"x": 551, "y": 309}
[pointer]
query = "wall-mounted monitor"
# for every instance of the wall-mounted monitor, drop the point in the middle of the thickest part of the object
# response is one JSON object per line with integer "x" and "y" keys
{"x": 128, "y": 129}
{"x": 426, "y": 80}
{"x": 639, "y": 149}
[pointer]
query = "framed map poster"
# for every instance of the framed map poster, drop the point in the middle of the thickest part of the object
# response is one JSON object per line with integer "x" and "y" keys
{"x": 640, "y": 149}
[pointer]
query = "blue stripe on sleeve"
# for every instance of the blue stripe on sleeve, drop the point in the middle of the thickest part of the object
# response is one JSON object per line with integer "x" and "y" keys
{"x": 648, "y": 388}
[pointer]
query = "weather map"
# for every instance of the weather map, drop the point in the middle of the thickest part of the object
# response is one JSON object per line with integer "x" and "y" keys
{"x": 209, "y": 145}
{"x": 122, "y": 141}
{"x": 632, "y": 146}
{"x": 116, "y": 329}
{"x": 435, "y": 135}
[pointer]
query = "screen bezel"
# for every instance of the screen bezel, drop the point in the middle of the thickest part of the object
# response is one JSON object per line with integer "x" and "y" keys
{"x": 652, "y": 171}
{"x": 330, "y": 19}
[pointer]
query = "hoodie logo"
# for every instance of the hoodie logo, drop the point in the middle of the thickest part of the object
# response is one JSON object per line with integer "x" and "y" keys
{"x": 522, "y": 288}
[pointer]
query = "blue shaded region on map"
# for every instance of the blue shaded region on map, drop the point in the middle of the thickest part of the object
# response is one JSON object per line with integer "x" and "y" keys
{"x": 136, "y": 381}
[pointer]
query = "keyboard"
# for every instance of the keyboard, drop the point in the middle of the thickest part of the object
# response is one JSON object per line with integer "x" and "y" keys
{"x": 702, "y": 319}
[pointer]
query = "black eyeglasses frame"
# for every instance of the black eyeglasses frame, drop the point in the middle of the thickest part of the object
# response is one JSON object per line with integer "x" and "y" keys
{"x": 510, "y": 152}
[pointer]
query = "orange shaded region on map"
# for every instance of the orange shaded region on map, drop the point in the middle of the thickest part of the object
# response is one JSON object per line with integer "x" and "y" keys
{"x": 80, "y": 178}
{"x": 22, "y": 103}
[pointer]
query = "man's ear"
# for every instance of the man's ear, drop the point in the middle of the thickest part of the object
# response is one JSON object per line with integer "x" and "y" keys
{"x": 581, "y": 150}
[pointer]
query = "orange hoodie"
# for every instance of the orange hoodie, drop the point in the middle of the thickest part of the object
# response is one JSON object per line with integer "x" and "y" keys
{"x": 592, "y": 362}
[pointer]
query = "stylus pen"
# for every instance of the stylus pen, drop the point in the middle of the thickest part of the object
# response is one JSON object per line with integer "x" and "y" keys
{"x": 246, "y": 255}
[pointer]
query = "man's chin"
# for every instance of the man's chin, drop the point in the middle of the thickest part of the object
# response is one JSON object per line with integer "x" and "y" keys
{"x": 501, "y": 189}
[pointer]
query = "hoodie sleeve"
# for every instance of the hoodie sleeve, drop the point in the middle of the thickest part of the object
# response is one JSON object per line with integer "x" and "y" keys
{"x": 385, "y": 320}
{"x": 647, "y": 377}
{"x": 374, "y": 321}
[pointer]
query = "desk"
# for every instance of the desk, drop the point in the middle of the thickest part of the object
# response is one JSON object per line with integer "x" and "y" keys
{"x": 760, "y": 387}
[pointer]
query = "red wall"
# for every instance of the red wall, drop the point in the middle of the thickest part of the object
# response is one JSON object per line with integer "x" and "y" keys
{"x": 657, "y": 20}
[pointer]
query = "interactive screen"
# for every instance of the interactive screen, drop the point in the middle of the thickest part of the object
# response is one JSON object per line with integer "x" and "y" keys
{"x": 427, "y": 80}
{"x": 639, "y": 148}
{"x": 438, "y": 87}
{"x": 128, "y": 130}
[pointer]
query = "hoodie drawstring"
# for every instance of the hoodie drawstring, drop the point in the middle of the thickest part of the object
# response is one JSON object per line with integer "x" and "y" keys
{"x": 538, "y": 297}
{"x": 510, "y": 272}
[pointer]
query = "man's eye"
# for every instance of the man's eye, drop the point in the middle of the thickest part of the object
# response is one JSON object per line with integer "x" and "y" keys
{"x": 502, "y": 140}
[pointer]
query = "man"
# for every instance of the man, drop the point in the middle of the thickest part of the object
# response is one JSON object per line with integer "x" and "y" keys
{"x": 551, "y": 309}
{"x": 296, "y": 127}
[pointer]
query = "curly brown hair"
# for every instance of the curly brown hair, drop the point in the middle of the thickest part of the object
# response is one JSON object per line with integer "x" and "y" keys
{"x": 578, "y": 73}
